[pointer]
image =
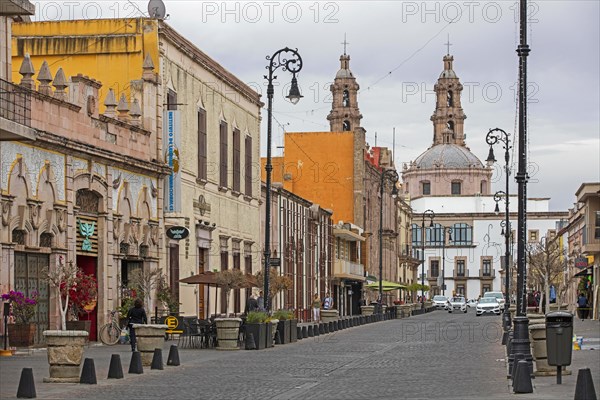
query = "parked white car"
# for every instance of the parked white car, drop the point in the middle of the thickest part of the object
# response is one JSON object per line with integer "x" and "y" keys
{"x": 487, "y": 305}
{"x": 472, "y": 303}
{"x": 440, "y": 301}
{"x": 499, "y": 296}
{"x": 456, "y": 303}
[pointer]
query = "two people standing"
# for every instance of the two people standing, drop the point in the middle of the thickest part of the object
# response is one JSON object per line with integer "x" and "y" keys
{"x": 327, "y": 304}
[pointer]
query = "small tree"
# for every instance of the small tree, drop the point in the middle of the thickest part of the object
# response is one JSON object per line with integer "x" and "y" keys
{"x": 277, "y": 282}
{"x": 547, "y": 267}
{"x": 228, "y": 280}
{"x": 63, "y": 277}
{"x": 144, "y": 282}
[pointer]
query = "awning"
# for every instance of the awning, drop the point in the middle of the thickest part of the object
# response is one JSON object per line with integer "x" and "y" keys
{"x": 586, "y": 272}
{"x": 386, "y": 286}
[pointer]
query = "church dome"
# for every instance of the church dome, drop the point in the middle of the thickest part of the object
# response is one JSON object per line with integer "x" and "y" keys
{"x": 448, "y": 156}
{"x": 344, "y": 73}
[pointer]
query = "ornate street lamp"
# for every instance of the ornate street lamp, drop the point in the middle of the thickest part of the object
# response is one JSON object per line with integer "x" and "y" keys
{"x": 288, "y": 60}
{"x": 493, "y": 137}
{"x": 392, "y": 176}
{"x": 431, "y": 215}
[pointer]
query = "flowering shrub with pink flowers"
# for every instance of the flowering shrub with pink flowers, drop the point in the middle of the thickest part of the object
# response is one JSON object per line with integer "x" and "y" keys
{"x": 22, "y": 307}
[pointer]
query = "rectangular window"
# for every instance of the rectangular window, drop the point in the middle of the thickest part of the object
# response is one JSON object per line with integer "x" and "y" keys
{"x": 248, "y": 165}
{"x": 597, "y": 226}
{"x": 237, "y": 302}
{"x": 462, "y": 234}
{"x": 202, "y": 145}
{"x": 455, "y": 187}
{"x": 460, "y": 267}
{"x": 223, "y": 154}
{"x": 171, "y": 100}
{"x": 435, "y": 268}
{"x": 486, "y": 267}
{"x": 236, "y": 160}
{"x": 486, "y": 288}
{"x": 416, "y": 235}
{"x": 426, "y": 188}
{"x": 460, "y": 290}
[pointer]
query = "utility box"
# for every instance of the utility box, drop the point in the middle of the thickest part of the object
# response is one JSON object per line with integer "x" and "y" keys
{"x": 559, "y": 338}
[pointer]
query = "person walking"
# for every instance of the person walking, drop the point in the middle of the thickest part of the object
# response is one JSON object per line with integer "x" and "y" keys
{"x": 135, "y": 315}
{"x": 316, "y": 306}
{"x": 582, "y": 306}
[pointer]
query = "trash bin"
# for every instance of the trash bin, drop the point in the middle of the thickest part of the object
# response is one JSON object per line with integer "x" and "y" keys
{"x": 559, "y": 336}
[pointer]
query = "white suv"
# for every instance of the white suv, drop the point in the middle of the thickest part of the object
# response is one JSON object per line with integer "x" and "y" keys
{"x": 499, "y": 296}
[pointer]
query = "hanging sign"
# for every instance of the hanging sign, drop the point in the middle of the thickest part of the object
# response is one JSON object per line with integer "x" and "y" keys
{"x": 581, "y": 262}
{"x": 178, "y": 232}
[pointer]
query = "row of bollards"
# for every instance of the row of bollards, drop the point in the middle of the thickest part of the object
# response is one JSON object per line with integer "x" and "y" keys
{"x": 26, "y": 389}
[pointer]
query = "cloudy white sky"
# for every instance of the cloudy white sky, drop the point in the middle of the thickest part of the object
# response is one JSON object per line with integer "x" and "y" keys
{"x": 396, "y": 50}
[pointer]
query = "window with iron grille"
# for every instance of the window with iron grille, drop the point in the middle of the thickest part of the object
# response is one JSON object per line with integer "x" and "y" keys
{"x": 223, "y": 154}
{"x": 248, "y": 165}
{"x": 202, "y": 145}
{"x": 236, "y": 160}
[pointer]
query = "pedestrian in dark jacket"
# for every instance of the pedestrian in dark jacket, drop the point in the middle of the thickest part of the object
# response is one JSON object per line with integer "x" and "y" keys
{"x": 136, "y": 315}
{"x": 582, "y": 306}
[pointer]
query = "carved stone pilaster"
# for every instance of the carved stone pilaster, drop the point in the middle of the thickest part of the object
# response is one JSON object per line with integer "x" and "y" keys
{"x": 117, "y": 225}
{"x": 61, "y": 217}
{"x": 5, "y": 209}
{"x": 35, "y": 213}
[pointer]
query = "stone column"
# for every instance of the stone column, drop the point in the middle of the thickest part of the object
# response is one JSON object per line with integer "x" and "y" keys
{"x": 149, "y": 337}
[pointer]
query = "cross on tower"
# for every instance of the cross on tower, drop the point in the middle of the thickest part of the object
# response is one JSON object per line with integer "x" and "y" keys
{"x": 448, "y": 44}
{"x": 345, "y": 43}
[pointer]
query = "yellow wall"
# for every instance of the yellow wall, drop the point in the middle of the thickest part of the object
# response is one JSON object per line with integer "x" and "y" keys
{"x": 111, "y": 51}
{"x": 321, "y": 168}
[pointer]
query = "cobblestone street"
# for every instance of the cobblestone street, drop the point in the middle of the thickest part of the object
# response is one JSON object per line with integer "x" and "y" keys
{"x": 437, "y": 355}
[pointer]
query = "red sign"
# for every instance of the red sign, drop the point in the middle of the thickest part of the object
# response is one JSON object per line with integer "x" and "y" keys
{"x": 581, "y": 262}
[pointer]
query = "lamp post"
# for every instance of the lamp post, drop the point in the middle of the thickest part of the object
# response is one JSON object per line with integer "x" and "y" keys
{"x": 449, "y": 231}
{"x": 493, "y": 137}
{"x": 392, "y": 176}
{"x": 288, "y": 60}
{"x": 431, "y": 215}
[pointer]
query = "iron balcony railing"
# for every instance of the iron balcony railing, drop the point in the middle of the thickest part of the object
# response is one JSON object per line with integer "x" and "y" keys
{"x": 15, "y": 103}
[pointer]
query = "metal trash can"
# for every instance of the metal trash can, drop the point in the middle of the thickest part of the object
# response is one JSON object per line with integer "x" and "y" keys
{"x": 559, "y": 336}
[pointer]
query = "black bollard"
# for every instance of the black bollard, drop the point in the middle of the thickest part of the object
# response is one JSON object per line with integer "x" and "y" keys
{"x": 299, "y": 333}
{"x": 157, "y": 361}
{"x": 115, "y": 370}
{"x": 135, "y": 366}
{"x": 250, "y": 343}
{"x": 277, "y": 338}
{"x": 88, "y": 373}
{"x": 173, "y": 359}
{"x": 26, "y": 388}
{"x": 310, "y": 331}
{"x": 321, "y": 328}
{"x": 304, "y": 332}
{"x": 584, "y": 389}
{"x": 522, "y": 378}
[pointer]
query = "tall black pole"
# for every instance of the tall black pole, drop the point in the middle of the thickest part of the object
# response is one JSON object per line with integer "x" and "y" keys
{"x": 294, "y": 65}
{"x": 520, "y": 343}
{"x": 431, "y": 215}
{"x": 392, "y": 175}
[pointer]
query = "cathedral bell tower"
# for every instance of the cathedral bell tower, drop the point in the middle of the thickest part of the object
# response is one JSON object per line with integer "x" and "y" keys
{"x": 448, "y": 118}
{"x": 345, "y": 115}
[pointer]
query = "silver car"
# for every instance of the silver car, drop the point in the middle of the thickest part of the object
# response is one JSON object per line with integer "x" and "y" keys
{"x": 487, "y": 305}
{"x": 456, "y": 303}
{"x": 440, "y": 301}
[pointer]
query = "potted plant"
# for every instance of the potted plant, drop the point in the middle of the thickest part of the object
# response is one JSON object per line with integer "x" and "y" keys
{"x": 228, "y": 329}
{"x": 22, "y": 332}
{"x": 284, "y": 325}
{"x": 65, "y": 348}
{"x": 255, "y": 325}
{"x": 83, "y": 295}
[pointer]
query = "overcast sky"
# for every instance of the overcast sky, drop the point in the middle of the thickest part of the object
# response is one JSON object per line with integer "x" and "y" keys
{"x": 396, "y": 50}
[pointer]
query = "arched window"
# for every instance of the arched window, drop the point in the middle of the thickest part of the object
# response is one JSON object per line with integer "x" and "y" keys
{"x": 450, "y": 126}
{"x": 462, "y": 234}
{"x": 346, "y": 126}
{"x": 87, "y": 201}
{"x": 450, "y": 99}
{"x": 346, "y": 99}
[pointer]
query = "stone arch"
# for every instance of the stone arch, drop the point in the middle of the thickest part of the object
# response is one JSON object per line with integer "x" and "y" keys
{"x": 46, "y": 179}
{"x": 144, "y": 204}
{"x": 94, "y": 183}
{"x": 124, "y": 202}
{"x": 18, "y": 184}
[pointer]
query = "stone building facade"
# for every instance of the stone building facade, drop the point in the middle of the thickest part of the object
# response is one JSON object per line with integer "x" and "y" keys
{"x": 87, "y": 188}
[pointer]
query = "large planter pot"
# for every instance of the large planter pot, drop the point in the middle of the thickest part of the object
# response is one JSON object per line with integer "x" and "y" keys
{"x": 84, "y": 325}
{"x": 283, "y": 327}
{"x": 21, "y": 335}
{"x": 293, "y": 330}
{"x": 398, "y": 308}
{"x": 367, "y": 310}
{"x": 149, "y": 337}
{"x": 329, "y": 315}
{"x": 405, "y": 310}
{"x": 259, "y": 332}
{"x": 228, "y": 332}
{"x": 65, "y": 352}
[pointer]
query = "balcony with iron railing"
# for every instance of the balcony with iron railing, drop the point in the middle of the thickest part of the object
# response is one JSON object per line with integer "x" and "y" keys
{"x": 487, "y": 273}
{"x": 348, "y": 269}
{"x": 15, "y": 112}
{"x": 461, "y": 273}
